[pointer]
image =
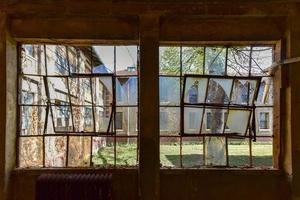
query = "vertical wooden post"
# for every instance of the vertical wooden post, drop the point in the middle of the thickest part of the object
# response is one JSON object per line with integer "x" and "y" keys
{"x": 149, "y": 108}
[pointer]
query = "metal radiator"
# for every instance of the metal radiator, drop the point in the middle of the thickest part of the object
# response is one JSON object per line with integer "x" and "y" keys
{"x": 74, "y": 187}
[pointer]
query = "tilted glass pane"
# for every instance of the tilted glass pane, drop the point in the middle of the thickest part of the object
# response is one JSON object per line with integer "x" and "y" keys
{"x": 192, "y": 120}
{"x": 169, "y": 120}
{"x": 58, "y": 89}
{"x": 83, "y": 118}
{"x": 195, "y": 90}
{"x": 103, "y": 116}
{"x": 213, "y": 121}
{"x": 79, "y": 151}
{"x": 192, "y": 60}
{"x": 55, "y": 151}
{"x": 237, "y": 121}
{"x": 215, "y": 151}
{"x": 219, "y": 91}
{"x": 126, "y": 90}
{"x": 32, "y": 91}
{"x": 215, "y": 60}
{"x": 169, "y": 91}
{"x": 32, "y": 120}
{"x": 169, "y": 60}
{"x": 62, "y": 118}
{"x": 30, "y": 151}
{"x": 243, "y": 92}
{"x": 102, "y": 91}
{"x": 238, "y": 61}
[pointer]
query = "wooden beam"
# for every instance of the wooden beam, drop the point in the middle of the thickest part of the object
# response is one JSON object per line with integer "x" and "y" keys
{"x": 149, "y": 109}
{"x": 105, "y": 28}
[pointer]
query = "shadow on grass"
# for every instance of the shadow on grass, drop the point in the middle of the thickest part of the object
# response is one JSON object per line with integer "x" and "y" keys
{"x": 196, "y": 160}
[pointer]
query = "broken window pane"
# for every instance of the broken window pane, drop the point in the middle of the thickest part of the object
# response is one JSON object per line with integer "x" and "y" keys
{"x": 215, "y": 60}
{"x": 262, "y": 59}
{"x": 33, "y": 59}
{"x": 192, "y": 152}
{"x": 32, "y": 91}
{"x": 126, "y": 60}
{"x": 103, "y": 116}
{"x": 192, "y": 120}
{"x": 169, "y": 120}
{"x": 219, "y": 91}
{"x": 169, "y": 91}
{"x": 240, "y": 116}
{"x": 79, "y": 151}
{"x": 126, "y": 90}
{"x": 62, "y": 117}
{"x": 30, "y": 151}
{"x": 83, "y": 118}
{"x": 106, "y": 55}
{"x": 192, "y": 60}
{"x": 215, "y": 151}
{"x": 243, "y": 92}
{"x": 126, "y": 152}
{"x": 169, "y": 60}
{"x": 55, "y": 151}
{"x": 213, "y": 121}
{"x": 103, "y": 151}
{"x": 239, "y": 152}
{"x": 32, "y": 120}
{"x": 195, "y": 90}
{"x": 128, "y": 121}
{"x": 238, "y": 62}
{"x": 170, "y": 152}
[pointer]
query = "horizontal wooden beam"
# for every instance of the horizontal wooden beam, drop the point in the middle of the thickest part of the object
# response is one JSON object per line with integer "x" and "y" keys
{"x": 192, "y": 29}
{"x": 70, "y": 29}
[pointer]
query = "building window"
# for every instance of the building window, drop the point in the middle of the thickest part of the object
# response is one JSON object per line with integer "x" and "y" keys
{"x": 264, "y": 120}
{"x": 216, "y": 99}
{"x": 68, "y": 111}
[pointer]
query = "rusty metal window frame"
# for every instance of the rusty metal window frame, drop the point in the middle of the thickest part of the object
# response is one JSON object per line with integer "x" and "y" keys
{"x": 111, "y": 132}
{"x": 201, "y": 137}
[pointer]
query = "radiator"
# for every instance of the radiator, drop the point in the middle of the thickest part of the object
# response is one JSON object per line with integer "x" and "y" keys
{"x": 74, "y": 187}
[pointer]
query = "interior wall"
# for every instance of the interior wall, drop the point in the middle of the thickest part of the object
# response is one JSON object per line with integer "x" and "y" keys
{"x": 220, "y": 21}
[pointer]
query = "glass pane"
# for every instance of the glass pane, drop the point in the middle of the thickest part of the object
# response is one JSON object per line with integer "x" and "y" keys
{"x": 103, "y": 151}
{"x": 215, "y": 60}
{"x": 55, "y": 151}
{"x": 80, "y": 90}
{"x": 102, "y": 119}
{"x": 83, "y": 118}
{"x": 170, "y": 152}
{"x": 238, "y": 61}
{"x": 215, "y": 151}
{"x": 106, "y": 55}
{"x": 126, "y": 60}
{"x": 219, "y": 91}
{"x": 32, "y": 91}
{"x": 169, "y": 60}
{"x": 169, "y": 120}
{"x": 192, "y": 60}
{"x": 33, "y": 59}
{"x": 62, "y": 118}
{"x": 57, "y": 63}
{"x": 264, "y": 121}
{"x": 237, "y": 121}
{"x": 262, "y": 59}
{"x": 58, "y": 89}
{"x": 169, "y": 91}
{"x": 73, "y": 56}
{"x": 195, "y": 90}
{"x": 32, "y": 120}
{"x": 102, "y": 91}
{"x": 126, "y": 152}
{"x": 192, "y": 120}
{"x": 79, "y": 151}
{"x": 213, "y": 121}
{"x": 126, "y": 90}
{"x": 262, "y": 152}
{"x": 238, "y": 152}
{"x": 30, "y": 151}
{"x": 243, "y": 92}
{"x": 265, "y": 92}
{"x": 126, "y": 121}
{"x": 192, "y": 152}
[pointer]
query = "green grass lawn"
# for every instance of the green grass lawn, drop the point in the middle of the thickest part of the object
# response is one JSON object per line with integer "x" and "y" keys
{"x": 192, "y": 155}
